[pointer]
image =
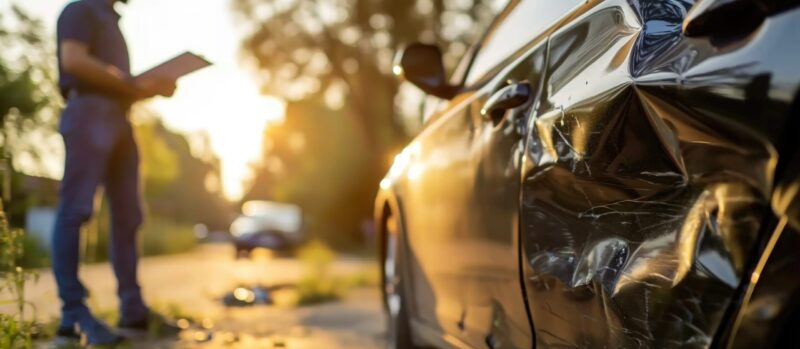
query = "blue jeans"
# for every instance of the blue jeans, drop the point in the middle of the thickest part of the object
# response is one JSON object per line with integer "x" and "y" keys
{"x": 100, "y": 150}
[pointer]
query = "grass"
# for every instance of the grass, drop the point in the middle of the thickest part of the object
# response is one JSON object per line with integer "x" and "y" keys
{"x": 43, "y": 331}
{"x": 319, "y": 284}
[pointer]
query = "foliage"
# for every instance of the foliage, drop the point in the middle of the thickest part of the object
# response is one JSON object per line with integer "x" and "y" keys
{"x": 160, "y": 165}
{"x": 16, "y": 330}
{"x": 312, "y": 291}
{"x": 365, "y": 279}
{"x": 35, "y": 256}
{"x": 336, "y": 55}
{"x": 318, "y": 285}
{"x": 29, "y": 100}
{"x": 157, "y": 236}
{"x": 175, "y": 181}
{"x": 161, "y": 236}
{"x": 29, "y": 104}
{"x": 306, "y": 164}
{"x": 345, "y": 47}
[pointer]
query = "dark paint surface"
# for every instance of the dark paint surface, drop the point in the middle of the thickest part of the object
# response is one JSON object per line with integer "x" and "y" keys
{"x": 768, "y": 315}
{"x": 635, "y": 187}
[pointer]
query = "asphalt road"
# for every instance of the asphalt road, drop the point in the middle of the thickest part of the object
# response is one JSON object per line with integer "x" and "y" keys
{"x": 193, "y": 284}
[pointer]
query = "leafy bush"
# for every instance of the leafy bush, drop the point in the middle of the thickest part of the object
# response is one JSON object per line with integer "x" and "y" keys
{"x": 161, "y": 236}
{"x": 35, "y": 256}
{"x": 157, "y": 236}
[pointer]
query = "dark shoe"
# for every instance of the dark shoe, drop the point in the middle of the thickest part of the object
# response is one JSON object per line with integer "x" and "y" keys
{"x": 67, "y": 337}
{"x": 94, "y": 333}
{"x": 155, "y": 325}
{"x": 67, "y": 333}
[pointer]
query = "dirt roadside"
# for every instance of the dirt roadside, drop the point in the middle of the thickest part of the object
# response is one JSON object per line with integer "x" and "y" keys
{"x": 194, "y": 283}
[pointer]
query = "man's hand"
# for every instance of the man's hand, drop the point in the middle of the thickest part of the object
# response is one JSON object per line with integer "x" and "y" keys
{"x": 151, "y": 87}
{"x": 75, "y": 59}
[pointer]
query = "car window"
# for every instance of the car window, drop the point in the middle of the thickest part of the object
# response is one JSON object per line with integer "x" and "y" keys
{"x": 431, "y": 105}
{"x": 523, "y": 22}
{"x": 460, "y": 73}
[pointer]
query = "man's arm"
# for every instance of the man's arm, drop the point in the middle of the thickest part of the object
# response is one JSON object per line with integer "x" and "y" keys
{"x": 76, "y": 60}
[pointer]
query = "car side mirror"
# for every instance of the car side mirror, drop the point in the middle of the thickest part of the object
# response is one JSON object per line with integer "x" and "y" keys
{"x": 423, "y": 66}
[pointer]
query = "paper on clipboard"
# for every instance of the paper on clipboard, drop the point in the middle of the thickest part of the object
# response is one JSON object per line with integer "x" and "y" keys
{"x": 182, "y": 65}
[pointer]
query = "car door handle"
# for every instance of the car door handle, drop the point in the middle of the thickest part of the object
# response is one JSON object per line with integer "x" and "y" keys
{"x": 512, "y": 96}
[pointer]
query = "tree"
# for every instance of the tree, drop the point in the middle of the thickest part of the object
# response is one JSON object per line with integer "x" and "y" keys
{"x": 341, "y": 51}
{"x": 305, "y": 164}
{"x": 29, "y": 100}
{"x": 177, "y": 185}
{"x": 29, "y": 104}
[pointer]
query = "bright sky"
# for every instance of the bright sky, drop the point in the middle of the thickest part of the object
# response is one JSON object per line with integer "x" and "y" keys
{"x": 222, "y": 101}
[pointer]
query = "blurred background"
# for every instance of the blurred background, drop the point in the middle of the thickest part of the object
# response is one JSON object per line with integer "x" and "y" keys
{"x": 300, "y": 116}
{"x": 300, "y": 107}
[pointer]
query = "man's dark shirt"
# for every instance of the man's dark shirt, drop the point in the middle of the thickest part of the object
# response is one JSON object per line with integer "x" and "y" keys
{"x": 96, "y": 24}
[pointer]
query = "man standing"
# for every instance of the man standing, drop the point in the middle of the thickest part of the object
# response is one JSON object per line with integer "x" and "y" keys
{"x": 95, "y": 80}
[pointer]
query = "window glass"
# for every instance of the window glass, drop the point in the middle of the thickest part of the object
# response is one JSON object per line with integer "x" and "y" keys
{"x": 500, "y": 8}
{"x": 460, "y": 73}
{"x": 526, "y": 21}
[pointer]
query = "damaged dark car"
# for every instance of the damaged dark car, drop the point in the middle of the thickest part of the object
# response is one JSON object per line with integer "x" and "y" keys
{"x": 602, "y": 174}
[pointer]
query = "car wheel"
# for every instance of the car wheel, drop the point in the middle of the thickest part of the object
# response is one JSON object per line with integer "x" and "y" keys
{"x": 399, "y": 331}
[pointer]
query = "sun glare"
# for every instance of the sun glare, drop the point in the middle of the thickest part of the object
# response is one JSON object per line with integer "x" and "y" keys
{"x": 222, "y": 101}
{"x": 226, "y": 105}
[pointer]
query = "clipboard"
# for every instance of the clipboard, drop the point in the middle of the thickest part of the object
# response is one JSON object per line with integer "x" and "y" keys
{"x": 177, "y": 67}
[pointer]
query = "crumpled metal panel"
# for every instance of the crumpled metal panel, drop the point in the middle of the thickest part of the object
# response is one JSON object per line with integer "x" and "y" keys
{"x": 648, "y": 174}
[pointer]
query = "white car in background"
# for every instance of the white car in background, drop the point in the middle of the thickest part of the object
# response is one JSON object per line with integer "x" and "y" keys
{"x": 265, "y": 224}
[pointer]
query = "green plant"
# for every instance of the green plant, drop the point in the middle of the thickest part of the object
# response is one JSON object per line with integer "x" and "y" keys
{"x": 160, "y": 236}
{"x": 36, "y": 255}
{"x": 365, "y": 278}
{"x": 157, "y": 236}
{"x": 318, "y": 285}
{"x": 16, "y": 331}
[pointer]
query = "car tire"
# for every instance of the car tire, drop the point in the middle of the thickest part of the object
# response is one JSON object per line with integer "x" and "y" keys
{"x": 394, "y": 295}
